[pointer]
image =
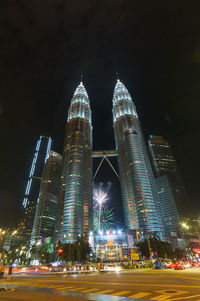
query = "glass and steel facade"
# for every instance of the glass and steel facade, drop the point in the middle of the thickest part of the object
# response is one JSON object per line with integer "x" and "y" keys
{"x": 141, "y": 209}
{"x": 161, "y": 155}
{"x": 76, "y": 193}
{"x": 46, "y": 215}
{"x": 168, "y": 204}
{"x": 33, "y": 184}
{"x": 171, "y": 191}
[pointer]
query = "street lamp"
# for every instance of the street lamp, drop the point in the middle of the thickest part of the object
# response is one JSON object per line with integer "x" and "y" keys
{"x": 185, "y": 226}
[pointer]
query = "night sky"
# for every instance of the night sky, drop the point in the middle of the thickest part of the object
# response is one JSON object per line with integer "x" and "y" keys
{"x": 46, "y": 45}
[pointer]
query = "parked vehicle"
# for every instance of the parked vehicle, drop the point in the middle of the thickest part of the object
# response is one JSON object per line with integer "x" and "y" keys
{"x": 179, "y": 266}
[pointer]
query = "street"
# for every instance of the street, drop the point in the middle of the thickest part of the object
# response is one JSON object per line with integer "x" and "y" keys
{"x": 126, "y": 285}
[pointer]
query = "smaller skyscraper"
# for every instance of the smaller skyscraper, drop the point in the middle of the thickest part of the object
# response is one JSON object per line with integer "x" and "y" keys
{"x": 162, "y": 156}
{"x": 169, "y": 186}
{"x": 168, "y": 204}
{"x": 46, "y": 213}
{"x": 33, "y": 184}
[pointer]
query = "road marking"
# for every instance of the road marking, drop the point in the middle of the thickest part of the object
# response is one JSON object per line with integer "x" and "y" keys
{"x": 161, "y": 297}
{"x": 50, "y": 285}
{"x": 171, "y": 292}
{"x": 166, "y": 294}
{"x": 104, "y": 292}
{"x": 130, "y": 284}
{"x": 90, "y": 290}
{"x": 77, "y": 289}
{"x": 181, "y": 298}
{"x": 121, "y": 293}
{"x": 114, "y": 283}
{"x": 64, "y": 287}
{"x": 188, "y": 277}
{"x": 139, "y": 295}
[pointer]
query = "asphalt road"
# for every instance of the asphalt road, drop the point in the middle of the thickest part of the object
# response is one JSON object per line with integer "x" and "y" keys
{"x": 112, "y": 286}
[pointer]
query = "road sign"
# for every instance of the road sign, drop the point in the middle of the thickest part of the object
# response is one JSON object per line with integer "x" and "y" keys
{"x": 129, "y": 254}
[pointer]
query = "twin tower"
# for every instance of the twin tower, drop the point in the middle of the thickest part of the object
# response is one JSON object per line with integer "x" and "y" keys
{"x": 139, "y": 197}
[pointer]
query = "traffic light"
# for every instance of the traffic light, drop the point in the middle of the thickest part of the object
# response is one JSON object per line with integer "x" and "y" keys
{"x": 60, "y": 251}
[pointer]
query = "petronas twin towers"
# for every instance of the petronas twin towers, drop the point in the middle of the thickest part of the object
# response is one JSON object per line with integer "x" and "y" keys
{"x": 140, "y": 204}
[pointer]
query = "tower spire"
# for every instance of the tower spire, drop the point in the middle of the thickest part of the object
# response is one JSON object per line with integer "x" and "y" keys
{"x": 117, "y": 77}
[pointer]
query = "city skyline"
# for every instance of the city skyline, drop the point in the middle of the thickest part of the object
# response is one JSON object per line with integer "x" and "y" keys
{"x": 46, "y": 51}
{"x": 141, "y": 204}
{"x": 99, "y": 161}
{"x": 81, "y": 85}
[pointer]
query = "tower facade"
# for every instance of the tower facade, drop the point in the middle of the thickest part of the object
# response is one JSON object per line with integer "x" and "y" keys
{"x": 33, "y": 184}
{"x": 46, "y": 214}
{"x": 76, "y": 195}
{"x": 168, "y": 204}
{"x": 171, "y": 191}
{"x": 161, "y": 155}
{"x": 141, "y": 210}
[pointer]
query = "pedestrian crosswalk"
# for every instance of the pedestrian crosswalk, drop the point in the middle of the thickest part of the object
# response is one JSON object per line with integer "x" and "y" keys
{"x": 150, "y": 295}
{"x": 121, "y": 293}
{"x": 140, "y": 295}
{"x": 105, "y": 292}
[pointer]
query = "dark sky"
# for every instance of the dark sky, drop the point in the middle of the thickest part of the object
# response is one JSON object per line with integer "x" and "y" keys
{"x": 45, "y": 46}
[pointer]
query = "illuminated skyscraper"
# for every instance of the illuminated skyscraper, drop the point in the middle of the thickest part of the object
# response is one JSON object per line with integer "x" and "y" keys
{"x": 76, "y": 195}
{"x": 43, "y": 146}
{"x": 141, "y": 208}
{"x": 171, "y": 191}
{"x": 46, "y": 214}
{"x": 161, "y": 155}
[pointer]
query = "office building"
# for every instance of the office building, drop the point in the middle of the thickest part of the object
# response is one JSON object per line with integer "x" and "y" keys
{"x": 33, "y": 184}
{"x": 168, "y": 204}
{"x": 141, "y": 209}
{"x": 161, "y": 155}
{"x": 46, "y": 214}
{"x": 170, "y": 188}
{"x": 76, "y": 210}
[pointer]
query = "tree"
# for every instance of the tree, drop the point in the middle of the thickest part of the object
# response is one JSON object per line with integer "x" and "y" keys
{"x": 162, "y": 248}
{"x": 143, "y": 247}
{"x": 77, "y": 251}
{"x": 46, "y": 253}
{"x": 179, "y": 253}
{"x": 106, "y": 219}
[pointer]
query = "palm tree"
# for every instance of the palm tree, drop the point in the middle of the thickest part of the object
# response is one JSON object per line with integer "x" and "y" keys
{"x": 106, "y": 219}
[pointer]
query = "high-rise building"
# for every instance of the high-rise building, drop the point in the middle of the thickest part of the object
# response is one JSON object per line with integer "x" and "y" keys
{"x": 161, "y": 155}
{"x": 33, "y": 184}
{"x": 141, "y": 208}
{"x": 168, "y": 204}
{"x": 76, "y": 193}
{"x": 171, "y": 191}
{"x": 46, "y": 214}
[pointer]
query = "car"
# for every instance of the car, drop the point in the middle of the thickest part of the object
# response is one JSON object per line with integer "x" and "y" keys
{"x": 187, "y": 264}
{"x": 159, "y": 265}
{"x": 170, "y": 266}
{"x": 195, "y": 264}
{"x": 112, "y": 267}
{"x": 179, "y": 266}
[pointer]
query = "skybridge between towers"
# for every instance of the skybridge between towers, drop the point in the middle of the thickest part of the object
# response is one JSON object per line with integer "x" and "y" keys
{"x": 104, "y": 155}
